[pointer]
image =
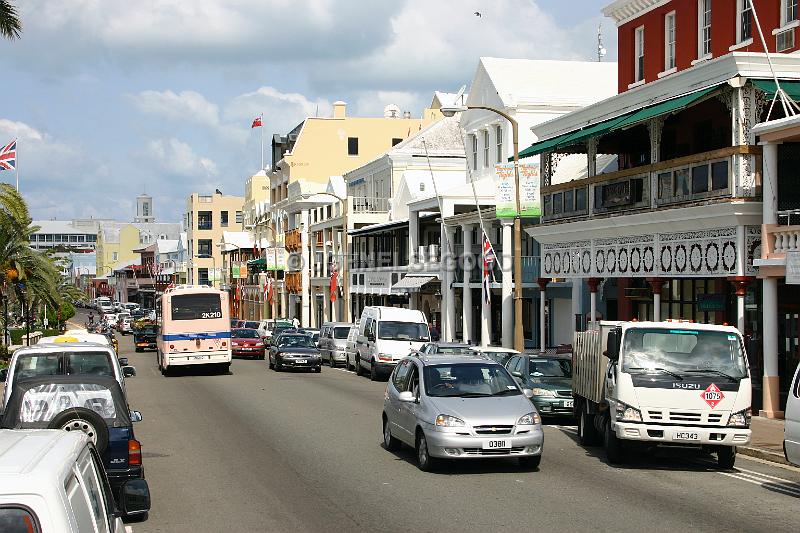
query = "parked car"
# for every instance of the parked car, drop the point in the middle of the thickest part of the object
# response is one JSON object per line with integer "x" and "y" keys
{"x": 791, "y": 430}
{"x": 93, "y": 405}
{"x": 123, "y": 324}
{"x": 460, "y": 407}
{"x": 130, "y": 306}
{"x": 109, "y": 320}
{"x": 55, "y": 480}
{"x": 496, "y": 353}
{"x": 332, "y": 342}
{"x": 246, "y": 342}
{"x": 550, "y": 380}
{"x": 74, "y": 358}
{"x": 311, "y": 332}
{"x": 446, "y": 348}
{"x": 351, "y": 348}
{"x": 144, "y": 337}
{"x": 294, "y": 350}
{"x": 387, "y": 335}
{"x": 118, "y": 306}
{"x": 268, "y": 328}
{"x": 249, "y": 324}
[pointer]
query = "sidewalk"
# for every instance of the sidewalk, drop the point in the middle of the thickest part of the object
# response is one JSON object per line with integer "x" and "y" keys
{"x": 767, "y": 440}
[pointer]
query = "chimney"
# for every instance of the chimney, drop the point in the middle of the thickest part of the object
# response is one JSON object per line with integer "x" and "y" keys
{"x": 406, "y": 114}
{"x": 339, "y": 108}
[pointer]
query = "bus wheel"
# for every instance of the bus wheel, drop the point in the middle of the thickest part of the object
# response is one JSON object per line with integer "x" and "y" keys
{"x": 225, "y": 368}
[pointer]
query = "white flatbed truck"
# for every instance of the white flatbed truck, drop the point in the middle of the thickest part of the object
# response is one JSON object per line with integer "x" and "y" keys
{"x": 638, "y": 385}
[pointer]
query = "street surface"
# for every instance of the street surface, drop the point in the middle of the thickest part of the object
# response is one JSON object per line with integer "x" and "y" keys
{"x": 263, "y": 451}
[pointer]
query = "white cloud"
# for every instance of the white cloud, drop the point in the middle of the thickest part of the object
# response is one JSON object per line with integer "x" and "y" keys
{"x": 177, "y": 157}
{"x": 372, "y": 103}
{"x": 186, "y": 106}
{"x": 282, "y": 111}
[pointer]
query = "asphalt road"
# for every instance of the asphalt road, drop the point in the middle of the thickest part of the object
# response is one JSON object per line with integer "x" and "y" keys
{"x": 257, "y": 450}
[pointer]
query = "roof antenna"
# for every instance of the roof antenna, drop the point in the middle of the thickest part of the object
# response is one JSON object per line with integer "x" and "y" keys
{"x": 789, "y": 106}
{"x": 601, "y": 50}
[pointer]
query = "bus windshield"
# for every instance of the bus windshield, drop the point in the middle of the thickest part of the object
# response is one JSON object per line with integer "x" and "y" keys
{"x": 683, "y": 351}
{"x": 196, "y": 306}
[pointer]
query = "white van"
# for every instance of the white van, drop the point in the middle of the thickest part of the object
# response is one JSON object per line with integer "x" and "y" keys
{"x": 386, "y": 335}
{"x": 53, "y": 481}
{"x": 791, "y": 429}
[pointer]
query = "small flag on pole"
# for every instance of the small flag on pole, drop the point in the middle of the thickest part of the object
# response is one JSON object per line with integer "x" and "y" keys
{"x": 8, "y": 156}
{"x": 256, "y": 122}
{"x": 488, "y": 259}
{"x": 334, "y": 281}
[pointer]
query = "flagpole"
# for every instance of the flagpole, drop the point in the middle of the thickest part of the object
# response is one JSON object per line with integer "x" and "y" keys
{"x": 16, "y": 162}
{"x": 262, "y": 141}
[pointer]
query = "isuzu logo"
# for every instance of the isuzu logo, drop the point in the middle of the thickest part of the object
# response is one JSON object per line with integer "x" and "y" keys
{"x": 688, "y": 386}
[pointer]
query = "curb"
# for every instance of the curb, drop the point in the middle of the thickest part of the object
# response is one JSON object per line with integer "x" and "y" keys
{"x": 763, "y": 454}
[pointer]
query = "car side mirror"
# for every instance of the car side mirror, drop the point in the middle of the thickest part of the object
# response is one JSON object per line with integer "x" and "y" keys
{"x": 516, "y": 373}
{"x": 135, "y": 497}
{"x": 613, "y": 344}
{"x": 3, "y": 374}
{"x": 136, "y": 416}
{"x": 128, "y": 371}
{"x": 528, "y": 393}
{"x": 406, "y": 396}
{"x": 123, "y": 361}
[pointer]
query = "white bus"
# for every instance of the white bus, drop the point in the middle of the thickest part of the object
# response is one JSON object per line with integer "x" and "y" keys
{"x": 194, "y": 328}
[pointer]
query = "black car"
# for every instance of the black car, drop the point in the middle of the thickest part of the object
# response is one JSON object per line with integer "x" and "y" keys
{"x": 550, "y": 379}
{"x": 294, "y": 350}
{"x": 94, "y": 405}
{"x": 144, "y": 337}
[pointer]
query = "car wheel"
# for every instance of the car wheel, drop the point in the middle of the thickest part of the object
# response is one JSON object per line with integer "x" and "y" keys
{"x": 373, "y": 372}
{"x": 726, "y": 457}
{"x": 269, "y": 364}
{"x": 84, "y": 420}
{"x": 389, "y": 442}
{"x": 318, "y": 369}
{"x": 331, "y": 362}
{"x": 530, "y": 462}
{"x": 359, "y": 370}
{"x": 425, "y": 462}
{"x": 278, "y": 366}
{"x": 614, "y": 451}
{"x": 587, "y": 433}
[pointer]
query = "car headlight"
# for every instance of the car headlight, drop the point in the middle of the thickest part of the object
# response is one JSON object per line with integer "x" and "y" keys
{"x": 626, "y": 413}
{"x": 530, "y": 419}
{"x": 449, "y": 421}
{"x": 740, "y": 419}
{"x": 543, "y": 392}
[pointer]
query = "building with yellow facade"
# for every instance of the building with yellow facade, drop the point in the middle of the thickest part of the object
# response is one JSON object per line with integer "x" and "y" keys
{"x": 116, "y": 242}
{"x": 205, "y": 219}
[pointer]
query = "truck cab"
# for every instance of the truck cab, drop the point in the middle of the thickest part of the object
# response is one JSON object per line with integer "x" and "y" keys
{"x": 643, "y": 384}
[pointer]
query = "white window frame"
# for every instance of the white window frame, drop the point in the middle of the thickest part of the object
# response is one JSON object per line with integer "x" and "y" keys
{"x": 638, "y": 53}
{"x": 474, "y": 139}
{"x": 702, "y": 52}
{"x": 498, "y": 131}
{"x": 486, "y": 148}
{"x": 785, "y": 10}
{"x": 670, "y": 45}
{"x": 741, "y": 7}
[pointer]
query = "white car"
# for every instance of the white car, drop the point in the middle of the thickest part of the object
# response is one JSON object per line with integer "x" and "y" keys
{"x": 110, "y": 319}
{"x": 54, "y": 481}
{"x": 791, "y": 430}
{"x": 351, "y": 350}
{"x": 386, "y": 335}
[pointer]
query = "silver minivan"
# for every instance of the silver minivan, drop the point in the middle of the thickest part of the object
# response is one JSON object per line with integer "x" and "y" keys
{"x": 333, "y": 342}
{"x": 460, "y": 407}
{"x": 791, "y": 439}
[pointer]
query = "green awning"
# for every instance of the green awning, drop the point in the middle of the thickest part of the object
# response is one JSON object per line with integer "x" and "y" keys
{"x": 665, "y": 107}
{"x": 790, "y": 87}
{"x": 257, "y": 262}
{"x": 627, "y": 119}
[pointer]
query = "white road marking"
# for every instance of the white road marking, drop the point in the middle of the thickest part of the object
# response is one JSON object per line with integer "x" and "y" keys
{"x": 765, "y": 462}
{"x": 568, "y": 429}
{"x": 766, "y": 481}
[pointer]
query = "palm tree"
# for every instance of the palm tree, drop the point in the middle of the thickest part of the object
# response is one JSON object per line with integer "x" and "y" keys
{"x": 10, "y": 25}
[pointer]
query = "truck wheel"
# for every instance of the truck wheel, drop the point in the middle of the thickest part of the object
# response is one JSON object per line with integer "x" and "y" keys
{"x": 614, "y": 452}
{"x": 373, "y": 372}
{"x": 225, "y": 368}
{"x": 359, "y": 371}
{"x": 587, "y": 433}
{"x": 726, "y": 457}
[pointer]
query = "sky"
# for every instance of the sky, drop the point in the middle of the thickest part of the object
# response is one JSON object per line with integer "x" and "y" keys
{"x": 112, "y": 98}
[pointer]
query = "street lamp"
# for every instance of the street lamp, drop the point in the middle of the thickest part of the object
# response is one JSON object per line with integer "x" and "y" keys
{"x": 449, "y": 111}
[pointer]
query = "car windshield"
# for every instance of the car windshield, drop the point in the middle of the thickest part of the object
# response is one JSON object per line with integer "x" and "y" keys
{"x": 196, "y": 306}
{"x": 51, "y": 364}
{"x": 250, "y": 325}
{"x": 340, "y": 332}
{"x": 295, "y": 341}
{"x": 469, "y": 380}
{"x": 454, "y": 350}
{"x": 500, "y": 357}
{"x": 683, "y": 351}
{"x": 244, "y": 334}
{"x": 550, "y": 368}
{"x": 390, "y": 330}
{"x": 149, "y": 330}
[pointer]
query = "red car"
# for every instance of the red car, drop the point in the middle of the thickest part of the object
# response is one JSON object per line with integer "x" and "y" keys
{"x": 246, "y": 343}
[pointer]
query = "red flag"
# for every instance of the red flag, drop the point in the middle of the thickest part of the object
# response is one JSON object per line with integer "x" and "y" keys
{"x": 334, "y": 281}
{"x": 256, "y": 123}
{"x": 271, "y": 293}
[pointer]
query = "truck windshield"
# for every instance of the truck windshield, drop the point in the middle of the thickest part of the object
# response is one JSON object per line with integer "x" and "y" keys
{"x": 390, "y": 330}
{"x": 682, "y": 351}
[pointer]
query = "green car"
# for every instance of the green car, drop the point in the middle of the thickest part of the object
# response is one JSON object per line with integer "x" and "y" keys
{"x": 550, "y": 379}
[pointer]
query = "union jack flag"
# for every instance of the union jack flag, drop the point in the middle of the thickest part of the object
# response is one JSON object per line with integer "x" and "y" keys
{"x": 488, "y": 259}
{"x": 8, "y": 156}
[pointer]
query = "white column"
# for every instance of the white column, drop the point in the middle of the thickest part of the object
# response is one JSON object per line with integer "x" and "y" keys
{"x": 466, "y": 295}
{"x": 770, "y": 184}
{"x": 577, "y": 300}
{"x": 593, "y": 308}
{"x": 413, "y": 236}
{"x": 305, "y": 280}
{"x": 771, "y": 385}
{"x": 542, "y": 317}
{"x": 446, "y": 264}
{"x": 740, "y": 306}
{"x": 656, "y": 307}
{"x": 507, "y": 289}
